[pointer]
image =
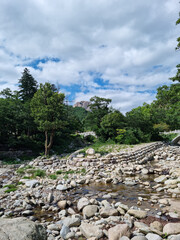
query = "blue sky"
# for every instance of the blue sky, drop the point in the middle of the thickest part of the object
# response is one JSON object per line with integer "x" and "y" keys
{"x": 117, "y": 49}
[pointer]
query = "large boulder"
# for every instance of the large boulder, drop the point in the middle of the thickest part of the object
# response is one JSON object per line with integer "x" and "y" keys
{"x": 171, "y": 228}
{"x": 120, "y": 230}
{"x": 22, "y": 229}
{"x": 89, "y": 230}
{"x": 90, "y": 211}
{"x": 137, "y": 213}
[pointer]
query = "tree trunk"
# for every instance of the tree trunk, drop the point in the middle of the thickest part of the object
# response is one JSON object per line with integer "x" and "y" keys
{"x": 48, "y": 145}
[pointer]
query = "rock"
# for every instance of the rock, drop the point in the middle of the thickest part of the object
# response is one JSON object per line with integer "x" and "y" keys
{"x": 21, "y": 229}
{"x": 139, "y": 238}
{"x": 61, "y": 187}
{"x": 50, "y": 198}
{"x": 171, "y": 228}
{"x": 144, "y": 171}
{"x": 118, "y": 231}
{"x": 151, "y": 236}
{"x": 64, "y": 231}
{"x": 108, "y": 211}
{"x": 130, "y": 183}
{"x": 27, "y": 213}
{"x": 55, "y": 227}
{"x": 90, "y": 151}
{"x": 177, "y": 237}
{"x": 90, "y": 210}
{"x": 124, "y": 238}
{"x": 157, "y": 225}
{"x": 62, "y": 204}
{"x": 137, "y": 213}
{"x": 89, "y": 230}
{"x": 73, "y": 221}
{"x": 171, "y": 182}
{"x": 164, "y": 201}
{"x": 32, "y": 183}
{"x": 173, "y": 215}
{"x": 160, "y": 179}
{"x": 82, "y": 203}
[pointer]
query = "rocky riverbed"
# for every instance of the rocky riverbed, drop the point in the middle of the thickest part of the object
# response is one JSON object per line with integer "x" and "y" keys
{"x": 124, "y": 195}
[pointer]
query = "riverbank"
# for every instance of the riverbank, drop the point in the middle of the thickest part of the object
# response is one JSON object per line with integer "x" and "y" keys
{"x": 132, "y": 193}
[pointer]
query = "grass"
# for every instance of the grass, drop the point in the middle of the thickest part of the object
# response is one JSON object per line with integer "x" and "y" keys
{"x": 53, "y": 176}
{"x": 32, "y": 172}
{"x": 11, "y": 188}
{"x": 106, "y": 147}
{"x": 168, "y": 137}
{"x": 82, "y": 171}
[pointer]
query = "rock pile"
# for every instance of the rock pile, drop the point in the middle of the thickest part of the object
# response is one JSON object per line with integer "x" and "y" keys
{"x": 56, "y": 202}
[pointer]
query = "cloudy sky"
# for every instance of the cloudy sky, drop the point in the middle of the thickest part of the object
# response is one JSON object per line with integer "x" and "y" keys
{"x": 119, "y": 49}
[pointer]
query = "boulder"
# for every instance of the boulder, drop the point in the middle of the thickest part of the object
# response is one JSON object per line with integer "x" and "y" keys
{"x": 89, "y": 230}
{"x": 22, "y": 229}
{"x": 137, "y": 213}
{"x": 108, "y": 211}
{"x": 120, "y": 230}
{"x": 171, "y": 228}
{"x": 90, "y": 151}
{"x": 152, "y": 236}
{"x": 32, "y": 183}
{"x": 82, "y": 203}
{"x": 160, "y": 179}
{"x": 90, "y": 210}
{"x": 156, "y": 225}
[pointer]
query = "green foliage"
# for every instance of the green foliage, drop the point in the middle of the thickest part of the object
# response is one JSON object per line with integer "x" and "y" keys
{"x": 47, "y": 109}
{"x": 110, "y": 123}
{"x": 120, "y": 135}
{"x": 27, "y": 85}
{"x": 53, "y": 176}
{"x": 168, "y": 137}
{"x": 99, "y": 108}
{"x": 161, "y": 127}
{"x": 37, "y": 173}
{"x": 11, "y": 188}
{"x": 66, "y": 176}
{"x": 32, "y": 172}
{"x": 59, "y": 171}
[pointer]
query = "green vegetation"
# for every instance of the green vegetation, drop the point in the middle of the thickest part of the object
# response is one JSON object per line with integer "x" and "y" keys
{"x": 33, "y": 173}
{"x": 34, "y": 111}
{"x": 11, "y": 188}
{"x": 53, "y": 176}
{"x": 81, "y": 171}
{"x": 106, "y": 147}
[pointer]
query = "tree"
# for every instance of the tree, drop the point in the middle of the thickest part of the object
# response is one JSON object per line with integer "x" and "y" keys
{"x": 27, "y": 85}
{"x": 177, "y": 77}
{"x": 47, "y": 109}
{"x": 99, "y": 108}
{"x": 111, "y": 122}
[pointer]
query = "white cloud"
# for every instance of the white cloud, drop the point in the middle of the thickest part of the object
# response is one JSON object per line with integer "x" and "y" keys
{"x": 120, "y": 40}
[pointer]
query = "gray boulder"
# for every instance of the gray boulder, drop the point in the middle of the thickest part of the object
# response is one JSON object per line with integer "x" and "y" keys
{"x": 22, "y": 229}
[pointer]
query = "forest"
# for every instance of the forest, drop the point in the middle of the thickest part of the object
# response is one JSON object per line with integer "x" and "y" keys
{"x": 37, "y": 116}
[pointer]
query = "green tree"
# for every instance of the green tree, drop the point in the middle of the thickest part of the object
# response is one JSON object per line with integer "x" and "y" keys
{"x": 27, "y": 85}
{"x": 99, "y": 108}
{"x": 166, "y": 107}
{"x": 47, "y": 109}
{"x": 177, "y": 77}
{"x": 111, "y": 122}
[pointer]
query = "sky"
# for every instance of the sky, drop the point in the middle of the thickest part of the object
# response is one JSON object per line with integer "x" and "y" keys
{"x": 118, "y": 49}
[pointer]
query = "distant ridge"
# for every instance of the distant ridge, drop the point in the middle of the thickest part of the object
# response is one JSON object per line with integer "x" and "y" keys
{"x": 83, "y": 104}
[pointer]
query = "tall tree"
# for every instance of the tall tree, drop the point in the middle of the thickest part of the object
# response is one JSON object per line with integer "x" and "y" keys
{"x": 47, "y": 109}
{"x": 27, "y": 85}
{"x": 177, "y": 77}
{"x": 99, "y": 108}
